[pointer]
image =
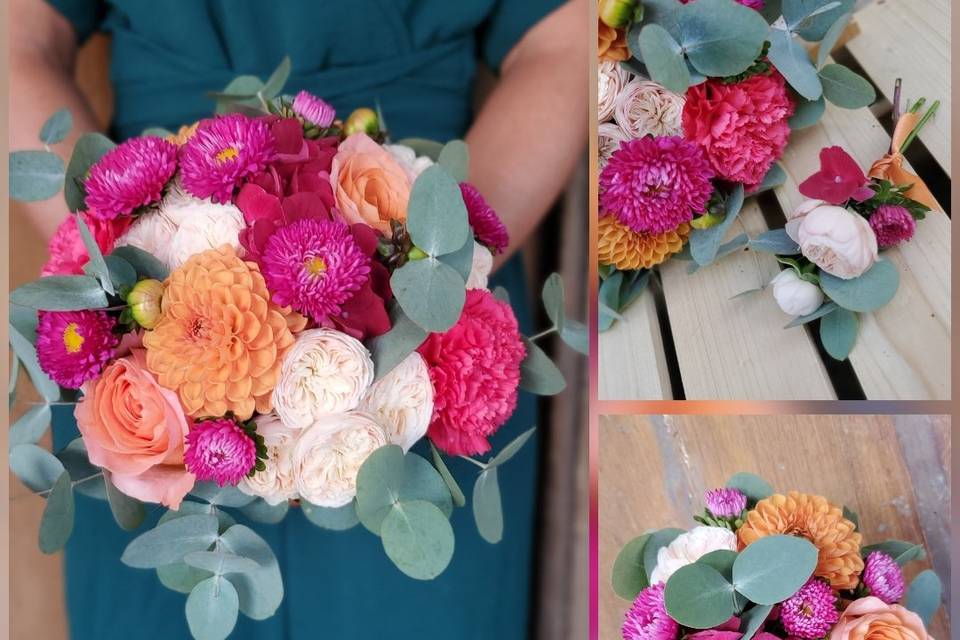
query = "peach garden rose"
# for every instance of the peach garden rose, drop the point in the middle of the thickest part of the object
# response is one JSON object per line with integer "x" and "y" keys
{"x": 872, "y": 619}
{"x": 369, "y": 185}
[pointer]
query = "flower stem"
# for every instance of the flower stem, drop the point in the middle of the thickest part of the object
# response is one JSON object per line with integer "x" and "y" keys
{"x": 542, "y": 334}
{"x": 923, "y": 121}
{"x": 476, "y": 462}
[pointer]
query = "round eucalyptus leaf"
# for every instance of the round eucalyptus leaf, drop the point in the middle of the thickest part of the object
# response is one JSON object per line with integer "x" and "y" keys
{"x": 925, "y": 595}
{"x": 807, "y": 113}
{"x": 629, "y": 577}
{"x": 832, "y": 36}
{"x": 145, "y": 264}
{"x": 90, "y": 147}
{"x": 773, "y": 568}
{"x": 37, "y": 468}
{"x": 722, "y": 560}
{"x": 35, "y": 175}
{"x": 212, "y": 608}
{"x": 554, "y": 300}
{"x": 658, "y": 540}
{"x": 31, "y": 426}
{"x": 697, "y": 596}
{"x": 867, "y": 293}
{"x": 838, "y": 332}
{"x": 60, "y": 293}
{"x": 846, "y": 88}
{"x": 260, "y": 592}
{"x": 57, "y": 126}
{"x": 180, "y": 577}
{"x": 455, "y": 158}
{"x": 277, "y": 79}
{"x": 391, "y": 348}
{"x": 750, "y": 485}
{"x": 332, "y": 518}
{"x": 538, "y": 373}
{"x": 121, "y": 272}
{"x": 170, "y": 541}
{"x": 378, "y": 485}
{"x": 56, "y": 524}
{"x": 128, "y": 512}
{"x": 27, "y": 354}
{"x": 436, "y": 213}
{"x": 418, "y": 538}
{"x": 461, "y": 260}
{"x": 753, "y": 619}
{"x": 488, "y": 506}
{"x": 190, "y": 508}
{"x": 811, "y": 19}
{"x": 220, "y": 562}
{"x": 87, "y": 479}
{"x": 225, "y": 496}
{"x": 262, "y": 511}
{"x": 421, "y": 481}
{"x": 430, "y": 293}
{"x": 720, "y": 37}
{"x": 664, "y": 59}
{"x": 792, "y": 60}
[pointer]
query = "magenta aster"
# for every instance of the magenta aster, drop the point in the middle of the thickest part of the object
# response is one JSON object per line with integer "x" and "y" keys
{"x": 313, "y": 109}
{"x": 811, "y": 612}
{"x": 219, "y": 450}
{"x": 129, "y": 176}
{"x": 892, "y": 225}
{"x": 74, "y": 346}
{"x": 647, "y": 618}
{"x": 487, "y": 226}
{"x": 725, "y": 503}
{"x": 882, "y": 576}
{"x": 314, "y": 266}
{"x": 654, "y": 184}
{"x": 222, "y": 152}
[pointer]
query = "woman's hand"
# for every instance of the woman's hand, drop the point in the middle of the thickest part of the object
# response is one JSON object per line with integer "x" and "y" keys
{"x": 531, "y": 131}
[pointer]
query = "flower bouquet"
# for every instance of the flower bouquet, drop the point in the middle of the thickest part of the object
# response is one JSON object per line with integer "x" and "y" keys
{"x": 697, "y": 100}
{"x": 770, "y": 566}
{"x": 269, "y": 308}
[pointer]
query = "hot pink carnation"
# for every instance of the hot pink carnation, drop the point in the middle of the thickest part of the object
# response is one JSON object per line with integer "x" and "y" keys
{"x": 224, "y": 151}
{"x": 892, "y": 225}
{"x": 811, "y": 612}
{"x": 220, "y": 451}
{"x": 129, "y": 176}
{"x": 487, "y": 226}
{"x": 647, "y": 618}
{"x": 313, "y": 109}
{"x": 742, "y": 126}
{"x": 883, "y": 577}
{"x": 68, "y": 255}
{"x": 475, "y": 370}
{"x": 655, "y": 184}
{"x": 74, "y": 346}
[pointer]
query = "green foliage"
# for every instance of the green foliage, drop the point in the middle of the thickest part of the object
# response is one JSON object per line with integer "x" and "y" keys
{"x": 27, "y": 355}
{"x": 924, "y": 596}
{"x": 219, "y": 562}
{"x": 90, "y": 147}
{"x": 128, "y": 512}
{"x": 705, "y": 243}
{"x": 35, "y": 175}
{"x": 332, "y": 518}
{"x": 773, "y": 568}
{"x": 226, "y": 496}
{"x": 902, "y": 552}
{"x": 845, "y": 88}
{"x": 418, "y": 538}
{"x": 145, "y": 264}
{"x": 538, "y": 373}
{"x": 512, "y": 449}
{"x": 31, "y": 426}
{"x": 390, "y": 349}
{"x": 825, "y": 309}
{"x": 752, "y": 620}
{"x": 456, "y": 493}
{"x": 60, "y": 293}
{"x": 572, "y": 332}
{"x": 869, "y": 292}
{"x": 170, "y": 541}
{"x": 423, "y": 147}
{"x": 664, "y": 59}
{"x": 436, "y": 213}
{"x": 87, "y": 478}
{"x": 36, "y": 468}
{"x": 698, "y": 596}
{"x": 96, "y": 266}
{"x": 57, "y": 127}
{"x": 261, "y": 511}
{"x": 831, "y": 37}
{"x": 720, "y": 37}
{"x": 277, "y": 79}
{"x": 792, "y": 60}
{"x": 658, "y": 540}
{"x": 212, "y": 608}
{"x": 811, "y": 19}
{"x": 488, "y": 506}
{"x": 885, "y": 192}
{"x": 431, "y": 293}
{"x": 775, "y": 241}
{"x": 807, "y": 113}
{"x": 629, "y": 576}
{"x": 260, "y": 592}
{"x": 838, "y": 332}
{"x": 56, "y": 524}
{"x": 455, "y": 158}
{"x": 750, "y": 485}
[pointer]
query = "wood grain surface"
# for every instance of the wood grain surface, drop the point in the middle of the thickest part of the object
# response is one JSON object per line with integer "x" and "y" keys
{"x": 894, "y": 471}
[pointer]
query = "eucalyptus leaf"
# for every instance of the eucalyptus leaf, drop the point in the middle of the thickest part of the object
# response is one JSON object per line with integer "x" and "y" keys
{"x": 461, "y": 260}
{"x": 902, "y": 552}
{"x": 60, "y": 293}
{"x": 158, "y": 132}
{"x": 56, "y": 524}
{"x": 658, "y": 540}
{"x": 436, "y": 213}
{"x": 262, "y": 511}
{"x": 852, "y": 516}
{"x": 31, "y": 426}
{"x": 831, "y": 38}
{"x": 379, "y": 482}
{"x": 96, "y": 265}
{"x": 663, "y": 58}
{"x": 430, "y": 293}
{"x": 277, "y": 79}
{"x": 127, "y": 511}
{"x": 775, "y": 177}
{"x": 180, "y": 577}
{"x": 191, "y": 508}
{"x": 220, "y": 562}
{"x": 122, "y": 273}
{"x": 456, "y": 493}
{"x": 807, "y": 113}
{"x": 538, "y": 374}
{"x": 721, "y": 38}
{"x": 924, "y": 596}
{"x": 35, "y": 175}
{"x": 37, "y": 468}
{"x": 226, "y": 496}
{"x": 753, "y": 620}
{"x": 260, "y": 592}
{"x": 773, "y": 568}
{"x": 705, "y": 243}
{"x": 27, "y": 354}
{"x": 697, "y": 596}
{"x": 775, "y": 241}
{"x": 846, "y": 88}
{"x": 791, "y": 59}
{"x": 838, "y": 333}
{"x": 57, "y": 127}
{"x": 455, "y": 158}
{"x": 418, "y": 538}
{"x": 811, "y": 19}
{"x": 90, "y": 147}
{"x": 488, "y": 506}
{"x": 609, "y": 303}
{"x": 512, "y": 448}
{"x": 421, "y": 481}
{"x": 629, "y": 577}
{"x": 87, "y": 478}
{"x": 825, "y": 309}
{"x": 869, "y": 292}
{"x": 750, "y": 485}
{"x": 212, "y": 608}
{"x": 146, "y": 265}
{"x": 170, "y": 541}
{"x": 332, "y": 518}
{"x": 391, "y": 348}
{"x": 423, "y": 147}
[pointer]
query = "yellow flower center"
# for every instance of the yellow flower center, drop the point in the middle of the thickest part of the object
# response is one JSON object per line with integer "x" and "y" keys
{"x": 229, "y": 153}
{"x": 72, "y": 340}
{"x": 315, "y": 266}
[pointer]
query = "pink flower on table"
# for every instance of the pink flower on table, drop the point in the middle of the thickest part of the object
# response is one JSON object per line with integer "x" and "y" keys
{"x": 653, "y": 185}
{"x": 486, "y": 224}
{"x": 131, "y": 175}
{"x": 811, "y": 612}
{"x": 840, "y": 178}
{"x": 219, "y": 450}
{"x": 313, "y": 109}
{"x": 68, "y": 254}
{"x": 725, "y": 503}
{"x": 74, "y": 346}
{"x": 647, "y": 617}
{"x": 475, "y": 370}
{"x": 742, "y": 127}
{"x": 883, "y": 577}
{"x": 223, "y": 151}
{"x": 892, "y": 225}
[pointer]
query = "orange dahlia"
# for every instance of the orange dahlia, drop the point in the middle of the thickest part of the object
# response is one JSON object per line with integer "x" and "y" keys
{"x": 220, "y": 341}
{"x": 814, "y": 518}
{"x": 611, "y": 43}
{"x": 183, "y": 134}
{"x": 626, "y": 249}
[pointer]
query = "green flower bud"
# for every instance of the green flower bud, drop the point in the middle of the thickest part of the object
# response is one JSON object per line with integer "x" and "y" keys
{"x": 617, "y": 13}
{"x": 144, "y": 300}
{"x": 362, "y": 120}
{"x": 417, "y": 254}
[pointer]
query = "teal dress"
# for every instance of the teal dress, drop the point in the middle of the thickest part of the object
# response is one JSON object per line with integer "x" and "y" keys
{"x": 417, "y": 60}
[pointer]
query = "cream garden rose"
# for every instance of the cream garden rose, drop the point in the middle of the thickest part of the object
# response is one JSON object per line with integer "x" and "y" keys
{"x": 481, "y": 267}
{"x": 402, "y": 401}
{"x": 200, "y": 225}
{"x": 408, "y": 159}
{"x": 610, "y": 81}
{"x": 838, "y": 241}
{"x": 152, "y": 232}
{"x": 609, "y": 138}
{"x": 275, "y": 482}
{"x": 794, "y": 295}
{"x": 690, "y": 547}
{"x": 329, "y": 453}
{"x": 645, "y": 108}
{"x": 324, "y": 372}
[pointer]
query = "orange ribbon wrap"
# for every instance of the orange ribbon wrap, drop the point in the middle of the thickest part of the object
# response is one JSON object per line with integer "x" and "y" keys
{"x": 890, "y": 166}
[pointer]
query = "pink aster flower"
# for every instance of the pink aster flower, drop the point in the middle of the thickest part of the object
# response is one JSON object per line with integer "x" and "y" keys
{"x": 486, "y": 224}
{"x": 219, "y": 450}
{"x": 742, "y": 127}
{"x": 892, "y": 224}
{"x": 647, "y": 618}
{"x": 131, "y": 175}
{"x": 68, "y": 254}
{"x": 222, "y": 152}
{"x": 811, "y": 612}
{"x": 725, "y": 503}
{"x": 653, "y": 185}
{"x": 475, "y": 370}
{"x": 74, "y": 346}
{"x": 314, "y": 266}
{"x": 313, "y": 109}
{"x": 882, "y": 576}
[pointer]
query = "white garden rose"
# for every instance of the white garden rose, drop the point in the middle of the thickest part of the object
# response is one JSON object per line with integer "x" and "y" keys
{"x": 151, "y": 232}
{"x": 645, "y": 108}
{"x": 325, "y": 372}
{"x": 201, "y": 225}
{"x": 794, "y": 295}
{"x": 275, "y": 482}
{"x": 329, "y": 453}
{"x": 610, "y": 81}
{"x": 609, "y": 138}
{"x": 838, "y": 241}
{"x": 690, "y": 547}
{"x": 412, "y": 164}
{"x": 481, "y": 267}
{"x": 402, "y": 401}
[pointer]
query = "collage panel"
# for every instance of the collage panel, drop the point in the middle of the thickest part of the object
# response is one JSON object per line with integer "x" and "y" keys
{"x": 804, "y": 526}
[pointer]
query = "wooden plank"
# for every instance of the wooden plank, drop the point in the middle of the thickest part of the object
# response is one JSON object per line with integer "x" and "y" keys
{"x": 910, "y": 39}
{"x": 653, "y": 472}
{"x": 632, "y": 362}
{"x": 737, "y": 348}
{"x": 903, "y": 351}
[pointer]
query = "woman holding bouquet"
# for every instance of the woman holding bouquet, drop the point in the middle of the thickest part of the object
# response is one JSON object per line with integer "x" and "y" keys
{"x": 418, "y": 61}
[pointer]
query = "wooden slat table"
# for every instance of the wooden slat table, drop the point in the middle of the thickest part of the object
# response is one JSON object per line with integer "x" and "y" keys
{"x": 737, "y": 348}
{"x": 894, "y": 471}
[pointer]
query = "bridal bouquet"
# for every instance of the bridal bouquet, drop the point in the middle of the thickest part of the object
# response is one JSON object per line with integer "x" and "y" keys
{"x": 697, "y": 100}
{"x": 269, "y": 308}
{"x": 771, "y": 566}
